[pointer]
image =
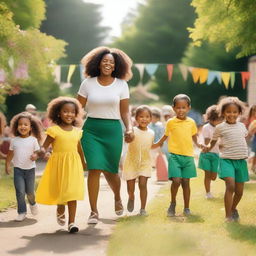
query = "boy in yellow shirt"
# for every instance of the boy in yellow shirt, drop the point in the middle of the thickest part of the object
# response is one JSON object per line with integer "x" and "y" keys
{"x": 181, "y": 132}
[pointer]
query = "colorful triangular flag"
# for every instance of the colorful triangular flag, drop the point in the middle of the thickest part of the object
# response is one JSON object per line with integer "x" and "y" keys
{"x": 151, "y": 68}
{"x": 184, "y": 71}
{"x": 70, "y": 72}
{"x": 169, "y": 68}
{"x": 225, "y": 76}
{"x": 245, "y": 77}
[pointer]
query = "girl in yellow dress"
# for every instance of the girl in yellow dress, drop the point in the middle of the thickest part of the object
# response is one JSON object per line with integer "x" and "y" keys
{"x": 137, "y": 163}
{"x": 63, "y": 181}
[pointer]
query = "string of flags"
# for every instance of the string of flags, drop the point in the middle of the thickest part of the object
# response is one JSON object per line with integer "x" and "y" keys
{"x": 199, "y": 75}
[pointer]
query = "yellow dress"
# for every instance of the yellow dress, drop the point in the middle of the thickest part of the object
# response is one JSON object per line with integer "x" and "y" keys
{"x": 138, "y": 159}
{"x": 63, "y": 178}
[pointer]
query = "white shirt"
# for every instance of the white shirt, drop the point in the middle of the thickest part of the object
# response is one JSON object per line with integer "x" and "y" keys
{"x": 207, "y": 133}
{"x": 22, "y": 149}
{"x": 103, "y": 101}
{"x": 232, "y": 139}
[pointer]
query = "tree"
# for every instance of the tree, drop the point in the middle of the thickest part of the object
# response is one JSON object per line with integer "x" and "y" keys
{"x": 25, "y": 56}
{"x": 231, "y": 22}
{"x": 78, "y": 23}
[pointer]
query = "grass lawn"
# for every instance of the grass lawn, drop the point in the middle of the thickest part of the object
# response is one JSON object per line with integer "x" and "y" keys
{"x": 204, "y": 233}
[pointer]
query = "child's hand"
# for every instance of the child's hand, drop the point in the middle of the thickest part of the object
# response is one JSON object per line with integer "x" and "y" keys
{"x": 128, "y": 136}
{"x": 34, "y": 157}
{"x": 205, "y": 149}
{"x": 8, "y": 170}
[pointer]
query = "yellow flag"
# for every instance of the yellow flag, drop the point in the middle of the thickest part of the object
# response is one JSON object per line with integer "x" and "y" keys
{"x": 203, "y": 75}
{"x": 225, "y": 76}
{"x": 195, "y": 74}
{"x": 70, "y": 72}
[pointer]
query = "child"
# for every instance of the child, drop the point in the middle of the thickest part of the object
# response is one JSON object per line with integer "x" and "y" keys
{"x": 63, "y": 181}
{"x": 209, "y": 161}
{"x": 234, "y": 152}
{"x": 137, "y": 163}
{"x": 182, "y": 131}
{"x": 23, "y": 153}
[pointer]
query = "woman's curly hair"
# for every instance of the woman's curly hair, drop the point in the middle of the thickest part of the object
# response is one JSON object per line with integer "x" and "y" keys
{"x": 36, "y": 126}
{"x": 54, "y": 107}
{"x": 212, "y": 113}
{"x": 123, "y": 63}
{"x": 2, "y": 123}
{"x": 225, "y": 102}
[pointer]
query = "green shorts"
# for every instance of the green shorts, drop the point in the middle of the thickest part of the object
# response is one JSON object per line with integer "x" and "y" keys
{"x": 236, "y": 169}
{"x": 181, "y": 166}
{"x": 209, "y": 161}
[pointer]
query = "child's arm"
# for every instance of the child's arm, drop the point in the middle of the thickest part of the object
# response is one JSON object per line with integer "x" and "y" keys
{"x": 251, "y": 129}
{"x": 81, "y": 153}
{"x": 49, "y": 140}
{"x": 194, "y": 138}
{"x": 8, "y": 161}
{"x": 209, "y": 147}
{"x": 34, "y": 156}
{"x": 160, "y": 142}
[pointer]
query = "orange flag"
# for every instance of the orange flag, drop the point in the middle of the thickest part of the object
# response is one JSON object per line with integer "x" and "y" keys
{"x": 203, "y": 73}
{"x": 169, "y": 68}
{"x": 245, "y": 77}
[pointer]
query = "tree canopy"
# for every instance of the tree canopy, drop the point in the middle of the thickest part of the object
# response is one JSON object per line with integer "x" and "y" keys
{"x": 231, "y": 22}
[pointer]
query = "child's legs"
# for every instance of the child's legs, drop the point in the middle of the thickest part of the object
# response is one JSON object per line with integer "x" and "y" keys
{"x": 207, "y": 181}
{"x": 143, "y": 191}
{"x": 19, "y": 183}
{"x": 131, "y": 188}
{"x": 185, "y": 183}
{"x": 114, "y": 182}
{"x": 239, "y": 188}
{"x": 71, "y": 211}
{"x": 228, "y": 198}
{"x": 93, "y": 183}
{"x": 174, "y": 188}
{"x": 30, "y": 185}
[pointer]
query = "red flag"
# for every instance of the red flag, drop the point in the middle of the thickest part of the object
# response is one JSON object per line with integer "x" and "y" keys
{"x": 245, "y": 77}
{"x": 169, "y": 68}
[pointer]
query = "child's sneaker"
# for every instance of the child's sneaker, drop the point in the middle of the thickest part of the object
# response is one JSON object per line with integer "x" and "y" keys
{"x": 235, "y": 215}
{"x": 143, "y": 213}
{"x": 208, "y": 195}
{"x": 33, "y": 209}
{"x": 72, "y": 228}
{"x": 130, "y": 205}
{"x": 171, "y": 210}
{"x": 20, "y": 217}
{"x": 186, "y": 212}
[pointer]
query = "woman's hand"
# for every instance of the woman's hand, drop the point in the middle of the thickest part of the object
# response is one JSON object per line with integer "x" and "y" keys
{"x": 129, "y": 136}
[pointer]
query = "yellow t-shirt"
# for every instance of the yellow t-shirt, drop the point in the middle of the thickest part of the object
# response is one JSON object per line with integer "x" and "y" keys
{"x": 180, "y": 134}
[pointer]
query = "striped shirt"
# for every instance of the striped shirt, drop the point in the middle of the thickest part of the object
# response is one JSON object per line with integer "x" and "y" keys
{"x": 233, "y": 141}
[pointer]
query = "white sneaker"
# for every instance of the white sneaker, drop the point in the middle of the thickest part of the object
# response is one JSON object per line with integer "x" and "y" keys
{"x": 33, "y": 209}
{"x": 20, "y": 217}
{"x": 209, "y": 195}
{"x": 93, "y": 218}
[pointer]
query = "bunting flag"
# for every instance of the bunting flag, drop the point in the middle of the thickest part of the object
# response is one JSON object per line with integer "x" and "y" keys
{"x": 232, "y": 79}
{"x": 151, "y": 68}
{"x": 140, "y": 68}
{"x": 195, "y": 74}
{"x": 225, "y": 76}
{"x": 70, "y": 72}
{"x": 203, "y": 75}
{"x": 245, "y": 77}
{"x": 57, "y": 73}
{"x": 2, "y": 76}
{"x": 82, "y": 70}
{"x": 184, "y": 71}
{"x": 169, "y": 68}
{"x": 212, "y": 75}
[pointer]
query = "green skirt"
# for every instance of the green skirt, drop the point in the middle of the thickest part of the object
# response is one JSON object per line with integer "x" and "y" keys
{"x": 102, "y": 143}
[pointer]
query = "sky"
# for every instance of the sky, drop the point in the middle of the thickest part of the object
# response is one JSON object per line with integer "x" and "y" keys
{"x": 114, "y": 11}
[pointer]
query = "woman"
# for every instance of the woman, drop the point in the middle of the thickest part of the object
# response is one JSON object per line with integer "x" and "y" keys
{"x": 105, "y": 94}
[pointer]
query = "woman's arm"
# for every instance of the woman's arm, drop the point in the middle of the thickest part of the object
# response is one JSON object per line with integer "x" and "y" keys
{"x": 126, "y": 117}
{"x": 160, "y": 142}
{"x": 82, "y": 100}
